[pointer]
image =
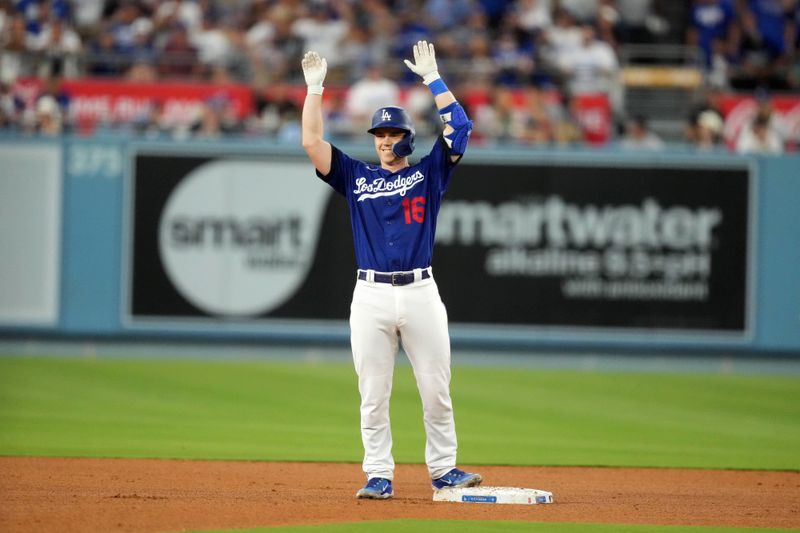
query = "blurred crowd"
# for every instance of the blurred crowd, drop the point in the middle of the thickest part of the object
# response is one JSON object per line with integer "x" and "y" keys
{"x": 520, "y": 53}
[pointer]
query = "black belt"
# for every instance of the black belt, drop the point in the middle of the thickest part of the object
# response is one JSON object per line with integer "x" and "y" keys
{"x": 394, "y": 278}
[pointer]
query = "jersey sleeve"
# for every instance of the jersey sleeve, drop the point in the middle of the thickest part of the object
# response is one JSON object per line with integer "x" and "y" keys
{"x": 341, "y": 171}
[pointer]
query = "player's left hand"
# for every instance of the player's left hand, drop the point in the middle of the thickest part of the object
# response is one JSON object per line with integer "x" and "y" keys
{"x": 424, "y": 64}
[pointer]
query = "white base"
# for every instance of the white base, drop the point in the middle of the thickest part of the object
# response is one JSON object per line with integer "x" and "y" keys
{"x": 493, "y": 495}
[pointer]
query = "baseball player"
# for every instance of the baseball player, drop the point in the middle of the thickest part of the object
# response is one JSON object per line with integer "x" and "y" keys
{"x": 393, "y": 210}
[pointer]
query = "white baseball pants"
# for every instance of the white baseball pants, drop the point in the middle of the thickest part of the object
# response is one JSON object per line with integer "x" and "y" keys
{"x": 379, "y": 314}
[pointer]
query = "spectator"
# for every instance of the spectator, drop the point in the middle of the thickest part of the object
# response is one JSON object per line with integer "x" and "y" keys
{"x": 447, "y": 14}
{"x": 607, "y": 22}
{"x": 709, "y": 103}
{"x": 261, "y": 32}
{"x": 769, "y": 23}
{"x": 323, "y": 29}
{"x": 454, "y": 46}
{"x": 122, "y": 27}
{"x": 775, "y": 121}
{"x": 475, "y": 24}
{"x": 584, "y": 11}
{"x": 273, "y": 109}
{"x": 793, "y": 29}
{"x": 47, "y": 120}
{"x": 87, "y": 15}
{"x": 152, "y": 125}
{"x": 143, "y": 57}
{"x": 562, "y": 38}
{"x": 759, "y": 138}
{"x": 760, "y": 46}
{"x": 710, "y": 20}
{"x": 277, "y": 114}
{"x": 708, "y": 135}
{"x": 15, "y": 53}
{"x": 290, "y": 131}
{"x": 337, "y": 123}
{"x": 369, "y": 93}
{"x": 178, "y": 58}
{"x": 639, "y": 137}
{"x": 11, "y": 107}
{"x": 59, "y": 46}
{"x": 214, "y": 49}
{"x": 423, "y": 114}
{"x": 6, "y": 13}
{"x": 539, "y": 116}
{"x": 501, "y": 120}
{"x": 495, "y": 10}
{"x": 568, "y": 130}
{"x": 208, "y": 124}
{"x": 793, "y": 78}
{"x": 377, "y": 19}
{"x": 793, "y": 34}
{"x": 36, "y": 12}
{"x": 271, "y": 46}
{"x": 184, "y": 13}
{"x": 637, "y": 21}
{"x": 411, "y": 29}
{"x": 591, "y": 68}
{"x": 534, "y": 15}
{"x": 481, "y": 64}
{"x": 515, "y": 65}
{"x": 103, "y": 59}
{"x": 51, "y": 86}
{"x": 7, "y": 120}
{"x": 358, "y": 52}
{"x": 719, "y": 70}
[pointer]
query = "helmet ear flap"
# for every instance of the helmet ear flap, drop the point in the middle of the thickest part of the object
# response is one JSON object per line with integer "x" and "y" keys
{"x": 405, "y": 146}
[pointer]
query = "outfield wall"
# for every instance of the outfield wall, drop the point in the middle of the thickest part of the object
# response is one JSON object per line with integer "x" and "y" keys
{"x": 585, "y": 249}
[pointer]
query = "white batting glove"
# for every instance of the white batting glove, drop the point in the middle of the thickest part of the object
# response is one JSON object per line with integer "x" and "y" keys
{"x": 424, "y": 62}
{"x": 314, "y": 70}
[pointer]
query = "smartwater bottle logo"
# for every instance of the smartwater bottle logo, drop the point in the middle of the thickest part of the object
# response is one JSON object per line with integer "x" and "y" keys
{"x": 237, "y": 237}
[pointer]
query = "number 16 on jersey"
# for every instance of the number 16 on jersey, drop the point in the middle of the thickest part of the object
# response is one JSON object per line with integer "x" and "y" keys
{"x": 414, "y": 209}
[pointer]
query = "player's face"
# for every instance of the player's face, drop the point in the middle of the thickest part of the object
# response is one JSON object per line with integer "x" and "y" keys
{"x": 385, "y": 138}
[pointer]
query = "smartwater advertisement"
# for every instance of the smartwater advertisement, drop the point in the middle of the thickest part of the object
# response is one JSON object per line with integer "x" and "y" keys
{"x": 236, "y": 239}
{"x": 621, "y": 247}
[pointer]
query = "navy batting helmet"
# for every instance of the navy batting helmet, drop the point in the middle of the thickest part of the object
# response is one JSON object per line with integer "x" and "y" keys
{"x": 395, "y": 117}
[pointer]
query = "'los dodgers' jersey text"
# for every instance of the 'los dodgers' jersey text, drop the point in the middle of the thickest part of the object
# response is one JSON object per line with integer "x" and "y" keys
{"x": 392, "y": 214}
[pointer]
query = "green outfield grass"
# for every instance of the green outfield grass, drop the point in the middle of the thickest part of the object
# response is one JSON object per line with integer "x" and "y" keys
{"x": 415, "y": 526}
{"x": 309, "y": 412}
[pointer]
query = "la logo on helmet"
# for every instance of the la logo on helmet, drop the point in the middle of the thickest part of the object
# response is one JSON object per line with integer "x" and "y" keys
{"x": 385, "y": 115}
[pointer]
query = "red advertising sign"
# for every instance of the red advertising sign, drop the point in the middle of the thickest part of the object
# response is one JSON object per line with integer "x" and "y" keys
{"x": 739, "y": 111}
{"x": 594, "y": 116}
{"x": 94, "y": 100}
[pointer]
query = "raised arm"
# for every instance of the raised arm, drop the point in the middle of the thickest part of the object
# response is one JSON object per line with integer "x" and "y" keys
{"x": 457, "y": 127}
{"x": 318, "y": 150}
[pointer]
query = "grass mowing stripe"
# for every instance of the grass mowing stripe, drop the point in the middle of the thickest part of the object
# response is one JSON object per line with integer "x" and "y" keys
{"x": 176, "y": 409}
{"x": 463, "y": 526}
{"x": 641, "y": 420}
{"x": 309, "y": 412}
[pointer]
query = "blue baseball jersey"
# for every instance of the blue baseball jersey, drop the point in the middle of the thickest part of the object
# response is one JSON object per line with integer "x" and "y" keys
{"x": 392, "y": 214}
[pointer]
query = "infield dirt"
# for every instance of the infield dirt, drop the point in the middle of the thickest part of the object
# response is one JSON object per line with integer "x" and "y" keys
{"x": 149, "y": 495}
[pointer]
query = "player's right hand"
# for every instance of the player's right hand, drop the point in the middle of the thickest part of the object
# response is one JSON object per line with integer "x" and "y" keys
{"x": 314, "y": 70}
